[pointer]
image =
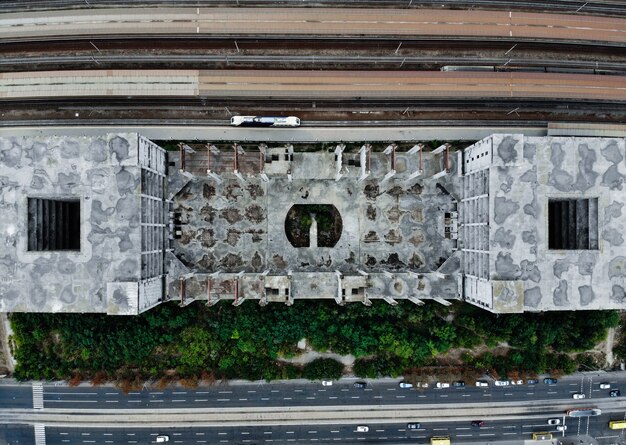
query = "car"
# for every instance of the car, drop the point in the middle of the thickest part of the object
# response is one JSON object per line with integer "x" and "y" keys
{"x": 413, "y": 426}
{"x": 502, "y": 383}
{"x": 442, "y": 385}
{"x": 422, "y": 385}
{"x": 615, "y": 393}
{"x": 605, "y": 385}
{"x": 517, "y": 382}
{"x": 327, "y": 383}
{"x": 578, "y": 395}
{"x": 532, "y": 381}
{"x": 406, "y": 385}
{"x": 481, "y": 383}
{"x": 362, "y": 429}
{"x": 459, "y": 384}
{"x": 359, "y": 385}
{"x": 477, "y": 423}
{"x": 561, "y": 427}
{"x": 549, "y": 381}
{"x": 554, "y": 421}
{"x": 161, "y": 439}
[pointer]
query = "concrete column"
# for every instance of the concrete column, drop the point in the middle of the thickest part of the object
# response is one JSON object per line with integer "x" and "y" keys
{"x": 214, "y": 176}
{"x": 339, "y": 161}
{"x": 390, "y": 300}
{"x": 415, "y": 149}
{"x": 239, "y": 176}
{"x": 364, "y": 156}
{"x": 390, "y": 148}
{"x": 440, "y": 149}
{"x": 388, "y": 176}
{"x": 414, "y": 175}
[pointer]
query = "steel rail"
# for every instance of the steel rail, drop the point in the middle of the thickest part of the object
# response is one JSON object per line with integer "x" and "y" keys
{"x": 497, "y": 25}
{"x": 505, "y": 63}
{"x": 589, "y": 7}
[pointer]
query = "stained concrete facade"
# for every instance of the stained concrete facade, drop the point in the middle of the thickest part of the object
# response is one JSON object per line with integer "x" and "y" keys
{"x": 110, "y": 272}
{"x": 508, "y": 263}
{"x": 209, "y": 224}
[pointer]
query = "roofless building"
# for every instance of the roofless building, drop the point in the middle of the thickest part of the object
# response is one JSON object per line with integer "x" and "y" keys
{"x": 115, "y": 224}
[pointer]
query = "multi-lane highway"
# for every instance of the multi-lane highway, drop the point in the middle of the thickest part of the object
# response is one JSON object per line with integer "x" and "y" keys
{"x": 244, "y": 412}
{"x": 413, "y": 23}
{"x": 295, "y": 394}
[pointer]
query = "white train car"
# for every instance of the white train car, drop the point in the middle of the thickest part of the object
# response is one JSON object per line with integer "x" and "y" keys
{"x": 264, "y": 121}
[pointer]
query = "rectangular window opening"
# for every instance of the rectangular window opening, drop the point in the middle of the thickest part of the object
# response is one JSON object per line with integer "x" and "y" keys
{"x": 573, "y": 224}
{"x": 53, "y": 224}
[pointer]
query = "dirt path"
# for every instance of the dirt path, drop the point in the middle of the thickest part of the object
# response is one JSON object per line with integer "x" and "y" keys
{"x": 6, "y": 359}
{"x": 608, "y": 347}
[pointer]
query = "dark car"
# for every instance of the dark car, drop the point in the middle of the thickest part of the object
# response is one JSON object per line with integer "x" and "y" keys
{"x": 359, "y": 385}
{"x": 549, "y": 381}
{"x": 615, "y": 393}
{"x": 477, "y": 423}
{"x": 532, "y": 381}
{"x": 459, "y": 384}
{"x": 413, "y": 426}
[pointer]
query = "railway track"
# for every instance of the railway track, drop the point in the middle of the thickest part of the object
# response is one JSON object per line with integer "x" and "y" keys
{"x": 361, "y": 22}
{"x": 603, "y": 7}
{"x": 308, "y": 61}
{"x": 311, "y": 85}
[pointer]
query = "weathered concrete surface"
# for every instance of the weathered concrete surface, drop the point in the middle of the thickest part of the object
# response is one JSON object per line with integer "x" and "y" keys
{"x": 103, "y": 173}
{"x": 524, "y": 173}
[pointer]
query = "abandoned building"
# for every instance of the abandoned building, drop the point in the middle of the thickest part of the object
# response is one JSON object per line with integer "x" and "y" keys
{"x": 115, "y": 224}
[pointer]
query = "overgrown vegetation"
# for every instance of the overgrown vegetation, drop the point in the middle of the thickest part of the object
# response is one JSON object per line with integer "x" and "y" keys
{"x": 201, "y": 343}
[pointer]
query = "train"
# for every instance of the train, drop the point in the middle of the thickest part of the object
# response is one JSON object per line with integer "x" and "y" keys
{"x": 531, "y": 69}
{"x": 264, "y": 121}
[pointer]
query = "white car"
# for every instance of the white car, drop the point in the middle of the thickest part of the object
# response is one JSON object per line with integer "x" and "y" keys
{"x": 481, "y": 383}
{"x": 578, "y": 395}
{"x": 605, "y": 385}
{"x": 422, "y": 385}
{"x": 502, "y": 383}
{"x": 405, "y": 385}
{"x": 561, "y": 427}
{"x": 554, "y": 421}
{"x": 517, "y": 382}
{"x": 362, "y": 429}
{"x": 327, "y": 383}
{"x": 161, "y": 439}
{"x": 443, "y": 385}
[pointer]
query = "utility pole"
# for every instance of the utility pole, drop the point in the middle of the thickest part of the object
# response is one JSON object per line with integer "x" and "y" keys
{"x": 511, "y": 49}
{"x": 97, "y": 49}
{"x": 578, "y": 10}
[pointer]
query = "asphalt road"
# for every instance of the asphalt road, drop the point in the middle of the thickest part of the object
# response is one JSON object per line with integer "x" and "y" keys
{"x": 397, "y": 433}
{"x": 298, "y": 394}
{"x": 16, "y": 396}
{"x": 378, "y": 392}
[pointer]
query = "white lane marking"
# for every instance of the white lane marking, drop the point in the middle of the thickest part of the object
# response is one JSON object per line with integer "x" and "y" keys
{"x": 222, "y": 434}
{"x": 223, "y": 400}
{"x": 156, "y": 401}
{"x": 265, "y": 398}
{"x": 111, "y": 401}
{"x": 179, "y": 392}
{"x": 225, "y": 392}
{"x": 179, "y": 400}
{"x": 200, "y": 400}
{"x": 287, "y": 398}
{"x": 243, "y": 400}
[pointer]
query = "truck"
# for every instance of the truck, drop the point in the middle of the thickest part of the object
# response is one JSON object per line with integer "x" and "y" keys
{"x": 583, "y": 412}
